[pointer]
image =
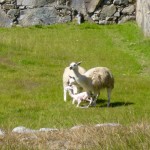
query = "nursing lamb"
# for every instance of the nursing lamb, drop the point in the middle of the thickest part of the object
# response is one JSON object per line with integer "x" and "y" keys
{"x": 76, "y": 87}
{"x": 83, "y": 96}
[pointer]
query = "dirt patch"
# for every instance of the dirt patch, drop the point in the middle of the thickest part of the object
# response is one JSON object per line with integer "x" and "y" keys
{"x": 7, "y": 62}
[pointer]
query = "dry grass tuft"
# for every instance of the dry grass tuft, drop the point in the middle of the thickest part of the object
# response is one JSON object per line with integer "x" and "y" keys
{"x": 86, "y": 137}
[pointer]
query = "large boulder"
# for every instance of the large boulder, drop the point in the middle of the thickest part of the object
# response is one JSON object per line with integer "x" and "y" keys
{"x": 120, "y": 2}
{"x": 2, "y": 1}
{"x": 34, "y": 3}
{"x": 41, "y": 16}
{"x": 108, "y": 11}
{"x": 85, "y": 6}
{"x": 126, "y": 18}
{"x": 93, "y": 5}
{"x": 79, "y": 5}
{"x": 128, "y": 10}
{"x": 13, "y": 14}
{"x": 5, "y": 21}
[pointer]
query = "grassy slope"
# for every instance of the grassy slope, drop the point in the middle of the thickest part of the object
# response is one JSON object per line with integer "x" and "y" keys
{"x": 32, "y": 61}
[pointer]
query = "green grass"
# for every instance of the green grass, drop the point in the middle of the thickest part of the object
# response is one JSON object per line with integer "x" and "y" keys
{"x": 32, "y": 61}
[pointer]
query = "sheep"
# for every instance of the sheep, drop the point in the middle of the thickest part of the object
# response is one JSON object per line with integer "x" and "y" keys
{"x": 94, "y": 80}
{"x": 84, "y": 96}
{"x": 76, "y": 87}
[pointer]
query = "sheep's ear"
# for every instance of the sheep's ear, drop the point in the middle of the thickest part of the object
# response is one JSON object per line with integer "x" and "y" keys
{"x": 79, "y": 63}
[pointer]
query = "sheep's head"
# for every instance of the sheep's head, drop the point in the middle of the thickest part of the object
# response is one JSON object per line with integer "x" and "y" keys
{"x": 72, "y": 81}
{"x": 74, "y": 65}
{"x": 67, "y": 88}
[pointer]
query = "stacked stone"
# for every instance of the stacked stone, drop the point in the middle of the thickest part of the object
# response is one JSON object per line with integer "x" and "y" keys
{"x": 8, "y": 4}
{"x": 32, "y": 12}
{"x": 8, "y": 12}
{"x": 46, "y": 12}
{"x": 116, "y": 11}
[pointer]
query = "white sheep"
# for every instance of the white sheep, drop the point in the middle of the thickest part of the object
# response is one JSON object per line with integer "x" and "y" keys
{"x": 83, "y": 96}
{"x": 94, "y": 80}
{"x": 76, "y": 87}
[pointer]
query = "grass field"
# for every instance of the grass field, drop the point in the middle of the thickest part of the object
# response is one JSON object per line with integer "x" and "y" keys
{"x": 32, "y": 61}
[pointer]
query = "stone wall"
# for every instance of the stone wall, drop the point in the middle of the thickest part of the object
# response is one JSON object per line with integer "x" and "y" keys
{"x": 143, "y": 15}
{"x": 32, "y": 12}
{"x": 46, "y": 12}
{"x": 112, "y": 11}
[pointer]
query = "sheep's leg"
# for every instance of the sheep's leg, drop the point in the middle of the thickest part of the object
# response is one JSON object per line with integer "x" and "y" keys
{"x": 94, "y": 98}
{"x": 108, "y": 95}
{"x": 79, "y": 101}
{"x": 90, "y": 101}
{"x": 93, "y": 103}
{"x": 75, "y": 90}
{"x": 73, "y": 101}
{"x": 65, "y": 94}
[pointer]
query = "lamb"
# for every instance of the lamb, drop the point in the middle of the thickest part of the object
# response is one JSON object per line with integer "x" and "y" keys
{"x": 84, "y": 96}
{"x": 76, "y": 87}
{"x": 94, "y": 80}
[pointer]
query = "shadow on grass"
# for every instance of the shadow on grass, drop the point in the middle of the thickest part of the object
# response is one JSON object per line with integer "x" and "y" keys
{"x": 103, "y": 103}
